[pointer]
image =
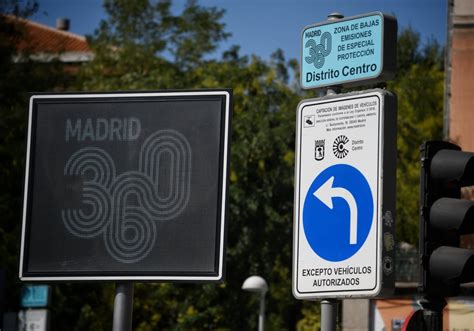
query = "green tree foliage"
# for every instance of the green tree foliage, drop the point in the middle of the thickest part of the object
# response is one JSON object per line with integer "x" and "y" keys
{"x": 419, "y": 85}
{"x": 18, "y": 76}
{"x": 134, "y": 45}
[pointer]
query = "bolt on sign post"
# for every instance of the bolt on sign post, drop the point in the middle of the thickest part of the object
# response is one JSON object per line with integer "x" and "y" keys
{"x": 350, "y": 51}
{"x": 126, "y": 187}
{"x": 345, "y": 195}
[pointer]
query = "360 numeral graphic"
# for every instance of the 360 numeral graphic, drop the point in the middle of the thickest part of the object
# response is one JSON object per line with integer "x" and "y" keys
{"x": 124, "y": 208}
{"x": 317, "y": 52}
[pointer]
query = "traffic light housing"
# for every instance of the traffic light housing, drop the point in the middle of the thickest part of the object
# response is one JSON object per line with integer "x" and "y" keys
{"x": 444, "y": 217}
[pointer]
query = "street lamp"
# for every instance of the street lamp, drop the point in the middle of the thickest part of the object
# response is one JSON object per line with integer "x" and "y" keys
{"x": 259, "y": 285}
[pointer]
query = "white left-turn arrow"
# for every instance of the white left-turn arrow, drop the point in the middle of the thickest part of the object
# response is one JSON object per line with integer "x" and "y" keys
{"x": 326, "y": 192}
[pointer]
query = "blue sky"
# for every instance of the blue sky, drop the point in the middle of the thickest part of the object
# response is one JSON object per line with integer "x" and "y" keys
{"x": 262, "y": 26}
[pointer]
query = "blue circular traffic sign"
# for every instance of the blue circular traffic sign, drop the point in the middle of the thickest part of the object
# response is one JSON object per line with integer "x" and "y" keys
{"x": 338, "y": 212}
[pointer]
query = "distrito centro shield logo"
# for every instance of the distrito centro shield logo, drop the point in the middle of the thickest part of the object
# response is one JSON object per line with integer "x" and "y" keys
{"x": 338, "y": 212}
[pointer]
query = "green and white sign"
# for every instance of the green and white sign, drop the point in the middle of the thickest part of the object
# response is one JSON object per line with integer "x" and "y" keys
{"x": 352, "y": 51}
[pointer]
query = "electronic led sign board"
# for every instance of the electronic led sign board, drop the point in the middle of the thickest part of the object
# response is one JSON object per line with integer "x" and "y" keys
{"x": 126, "y": 186}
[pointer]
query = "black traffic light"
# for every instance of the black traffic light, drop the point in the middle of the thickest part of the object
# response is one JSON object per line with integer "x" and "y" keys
{"x": 444, "y": 217}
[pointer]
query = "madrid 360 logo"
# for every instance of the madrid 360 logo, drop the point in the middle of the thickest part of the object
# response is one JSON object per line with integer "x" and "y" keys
{"x": 124, "y": 208}
{"x": 318, "y": 52}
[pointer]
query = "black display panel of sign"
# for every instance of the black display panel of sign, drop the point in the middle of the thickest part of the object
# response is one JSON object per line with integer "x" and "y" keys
{"x": 126, "y": 186}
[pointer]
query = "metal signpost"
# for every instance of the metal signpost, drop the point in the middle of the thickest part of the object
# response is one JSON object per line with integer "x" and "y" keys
{"x": 344, "y": 229}
{"x": 126, "y": 187}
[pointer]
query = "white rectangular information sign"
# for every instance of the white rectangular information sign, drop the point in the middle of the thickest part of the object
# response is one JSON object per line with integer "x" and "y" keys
{"x": 344, "y": 206}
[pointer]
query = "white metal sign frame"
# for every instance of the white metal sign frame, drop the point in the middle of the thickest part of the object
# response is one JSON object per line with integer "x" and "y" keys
{"x": 344, "y": 195}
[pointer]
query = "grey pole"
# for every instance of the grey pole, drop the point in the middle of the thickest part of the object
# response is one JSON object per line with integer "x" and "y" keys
{"x": 123, "y": 307}
{"x": 257, "y": 284}
{"x": 329, "y": 306}
{"x": 328, "y": 314}
{"x": 261, "y": 313}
